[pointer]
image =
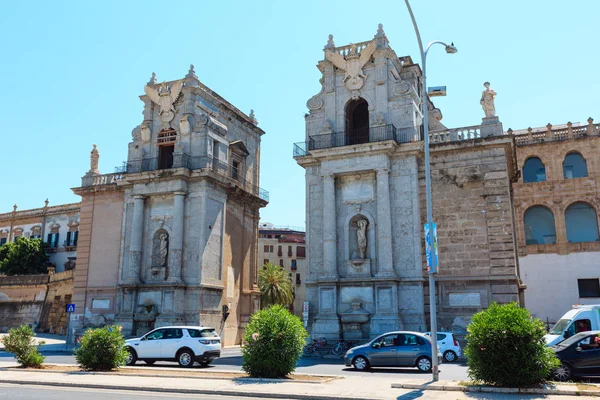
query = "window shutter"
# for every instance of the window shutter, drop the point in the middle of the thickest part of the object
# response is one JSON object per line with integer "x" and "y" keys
{"x": 76, "y": 237}
{"x": 69, "y": 238}
{"x": 49, "y": 241}
{"x": 56, "y": 239}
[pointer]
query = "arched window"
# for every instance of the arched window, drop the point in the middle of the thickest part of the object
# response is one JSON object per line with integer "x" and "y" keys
{"x": 582, "y": 223}
{"x": 539, "y": 226}
{"x": 534, "y": 170}
{"x": 574, "y": 166}
{"x": 357, "y": 122}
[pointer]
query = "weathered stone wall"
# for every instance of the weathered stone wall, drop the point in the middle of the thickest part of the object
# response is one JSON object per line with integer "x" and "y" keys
{"x": 472, "y": 207}
{"x": 16, "y": 313}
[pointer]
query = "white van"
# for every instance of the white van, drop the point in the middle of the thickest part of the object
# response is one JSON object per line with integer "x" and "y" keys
{"x": 580, "y": 319}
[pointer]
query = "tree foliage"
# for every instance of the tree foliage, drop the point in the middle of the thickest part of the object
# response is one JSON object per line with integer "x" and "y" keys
{"x": 273, "y": 343}
{"x": 102, "y": 349}
{"x": 275, "y": 286}
{"x": 23, "y": 257}
{"x": 20, "y": 342}
{"x": 506, "y": 347}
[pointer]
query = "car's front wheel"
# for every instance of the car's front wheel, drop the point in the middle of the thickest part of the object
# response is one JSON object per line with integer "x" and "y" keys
{"x": 360, "y": 363}
{"x": 131, "y": 357}
{"x": 450, "y": 356}
{"x": 185, "y": 358}
{"x": 424, "y": 364}
{"x": 563, "y": 373}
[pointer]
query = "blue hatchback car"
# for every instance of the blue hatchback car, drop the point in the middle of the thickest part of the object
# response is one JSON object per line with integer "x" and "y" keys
{"x": 393, "y": 349}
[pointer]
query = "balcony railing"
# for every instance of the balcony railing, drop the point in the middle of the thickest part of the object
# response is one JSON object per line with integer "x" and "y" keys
{"x": 179, "y": 161}
{"x": 355, "y": 137}
{"x": 555, "y": 133}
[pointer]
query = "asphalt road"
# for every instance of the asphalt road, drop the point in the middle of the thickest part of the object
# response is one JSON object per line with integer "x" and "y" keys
{"x": 20, "y": 392}
{"x": 231, "y": 360}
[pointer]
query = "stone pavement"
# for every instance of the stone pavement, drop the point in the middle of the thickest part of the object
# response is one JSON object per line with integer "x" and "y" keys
{"x": 366, "y": 387}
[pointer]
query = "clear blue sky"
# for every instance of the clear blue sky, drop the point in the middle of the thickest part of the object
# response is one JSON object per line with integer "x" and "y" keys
{"x": 72, "y": 73}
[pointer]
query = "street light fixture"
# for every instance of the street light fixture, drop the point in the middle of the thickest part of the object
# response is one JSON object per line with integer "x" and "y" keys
{"x": 450, "y": 49}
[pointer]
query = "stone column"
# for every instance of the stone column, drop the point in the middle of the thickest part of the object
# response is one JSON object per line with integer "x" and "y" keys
{"x": 385, "y": 265}
{"x": 135, "y": 243}
{"x": 329, "y": 229}
{"x": 176, "y": 240}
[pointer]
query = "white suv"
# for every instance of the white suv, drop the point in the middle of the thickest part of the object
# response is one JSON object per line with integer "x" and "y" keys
{"x": 448, "y": 346}
{"x": 183, "y": 344}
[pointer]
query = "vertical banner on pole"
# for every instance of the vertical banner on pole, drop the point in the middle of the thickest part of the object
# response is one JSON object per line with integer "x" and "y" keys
{"x": 431, "y": 248}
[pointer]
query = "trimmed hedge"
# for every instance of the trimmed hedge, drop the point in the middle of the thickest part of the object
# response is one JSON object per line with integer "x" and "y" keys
{"x": 506, "y": 347}
{"x": 273, "y": 343}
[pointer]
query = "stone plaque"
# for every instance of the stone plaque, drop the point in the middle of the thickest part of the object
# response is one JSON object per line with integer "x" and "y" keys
{"x": 168, "y": 302}
{"x": 127, "y": 301}
{"x": 352, "y": 294}
{"x": 103, "y": 304}
{"x": 464, "y": 299}
{"x": 384, "y": 298}
{"x": 326, "y": 299}
{"x": 357, "y": 189}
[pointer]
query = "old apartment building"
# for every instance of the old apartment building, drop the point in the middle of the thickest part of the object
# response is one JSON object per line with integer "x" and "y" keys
{"x": 557, "y": 198}
{"x": 285, "y": 247}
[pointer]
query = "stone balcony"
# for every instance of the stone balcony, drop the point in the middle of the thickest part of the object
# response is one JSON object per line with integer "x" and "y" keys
{"x": 207, "y": 164}
{"x": 552, "y": 133}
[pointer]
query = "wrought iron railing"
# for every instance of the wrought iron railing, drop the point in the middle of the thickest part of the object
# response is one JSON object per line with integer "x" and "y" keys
{"x": 354, "y": 137}
{"x": 214, "y": 165}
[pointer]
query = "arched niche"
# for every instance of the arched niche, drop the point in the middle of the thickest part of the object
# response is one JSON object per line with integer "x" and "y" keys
{"x": 160, "y": 248}
{"x": 581, "y": 223}
{"x": 357, "y": 121}
{"x": 534, "y": 170}
{"x": 539, "y": 225}
{"x": 350, "y": 239}
{"x": 574, "y": 166}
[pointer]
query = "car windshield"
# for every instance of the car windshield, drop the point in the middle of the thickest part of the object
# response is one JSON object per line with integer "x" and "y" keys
{"x": 560, "y": 327}
{"x": 573, "y": 339}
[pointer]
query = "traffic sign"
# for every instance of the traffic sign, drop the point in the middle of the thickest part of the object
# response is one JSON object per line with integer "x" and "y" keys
{"x": 70, "y": 308}
{"x": 431, "y": 248}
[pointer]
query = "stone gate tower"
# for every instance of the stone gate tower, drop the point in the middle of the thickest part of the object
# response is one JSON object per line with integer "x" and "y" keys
{"x": 365, "y": 202}
{"x": 175, "y": 230}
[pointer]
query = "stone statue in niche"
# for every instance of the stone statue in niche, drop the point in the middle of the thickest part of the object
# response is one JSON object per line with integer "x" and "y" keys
{"x": 361, "y": 235}
{"x": 487, "y": 101}
{"x": 164, "y": 249}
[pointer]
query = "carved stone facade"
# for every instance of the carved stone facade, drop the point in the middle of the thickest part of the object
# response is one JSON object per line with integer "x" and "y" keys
{"x": 366, "y": 202}
{"x": 180, "y": 220}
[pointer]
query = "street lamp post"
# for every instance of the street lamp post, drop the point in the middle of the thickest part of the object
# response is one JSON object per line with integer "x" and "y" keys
{"x": 450, "y": 49}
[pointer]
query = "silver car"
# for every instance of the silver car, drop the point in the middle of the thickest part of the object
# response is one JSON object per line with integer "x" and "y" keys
{"x": 393, "y": 349}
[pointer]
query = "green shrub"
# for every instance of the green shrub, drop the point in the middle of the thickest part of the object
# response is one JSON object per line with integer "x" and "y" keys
{"x": 273, "y": 343}
{"x": 102, "y": 349}
{"x": 506, "y": 347}
{"x": 20, "y": 342}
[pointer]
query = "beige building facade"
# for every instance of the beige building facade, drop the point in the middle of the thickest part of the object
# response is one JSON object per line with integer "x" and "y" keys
{"x": 285, "y": 247}
{"x": 557, "y": 198}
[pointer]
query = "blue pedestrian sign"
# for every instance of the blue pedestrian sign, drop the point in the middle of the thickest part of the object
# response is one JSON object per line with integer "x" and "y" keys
{"x": 431, "y": 248}
{"x": 70, "y": 308}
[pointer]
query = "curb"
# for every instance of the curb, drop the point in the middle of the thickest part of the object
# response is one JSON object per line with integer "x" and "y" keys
{"x": 492, "y": 389}
{"x": 148, "y": 374}
{"x": 231, "y": 393}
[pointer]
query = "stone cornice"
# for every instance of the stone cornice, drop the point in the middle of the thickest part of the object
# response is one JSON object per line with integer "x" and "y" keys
{"x": 35, "y": 212}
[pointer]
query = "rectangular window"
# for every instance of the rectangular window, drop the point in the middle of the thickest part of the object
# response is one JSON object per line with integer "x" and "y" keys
{"x": 294, "y": 265}
{"x": 266, "y": 249}
{"x": 53, "y": 240}
{"x": 235, "y": 170}
{"x": 281, "y": 262}
{"x": 270, "y": 249}
{"x": 289, "y": 251}
{"x": 298, "y": 281}
{"x": 589, "y": 287}
{"x": 300, "y": 251}
{"x": 279, "y": 251}
{"x": 2, "y": 241}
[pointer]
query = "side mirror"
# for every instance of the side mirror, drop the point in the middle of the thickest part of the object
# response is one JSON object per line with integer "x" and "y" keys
{"x": 144, "y": 338}
{"x": 376, "y": 345}
{"x": 577, "y": 349}
{"x": 566, "y": 335}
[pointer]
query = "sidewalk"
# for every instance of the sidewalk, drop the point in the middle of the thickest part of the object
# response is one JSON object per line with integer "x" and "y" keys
{"x": 367, "y": 387}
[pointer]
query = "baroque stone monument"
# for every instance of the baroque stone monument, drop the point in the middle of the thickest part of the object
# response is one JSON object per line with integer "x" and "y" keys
{"x": 363, "y": 156}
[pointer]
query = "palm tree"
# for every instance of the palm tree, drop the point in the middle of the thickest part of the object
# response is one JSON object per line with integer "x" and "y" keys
{"x": 275, "y": 287}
